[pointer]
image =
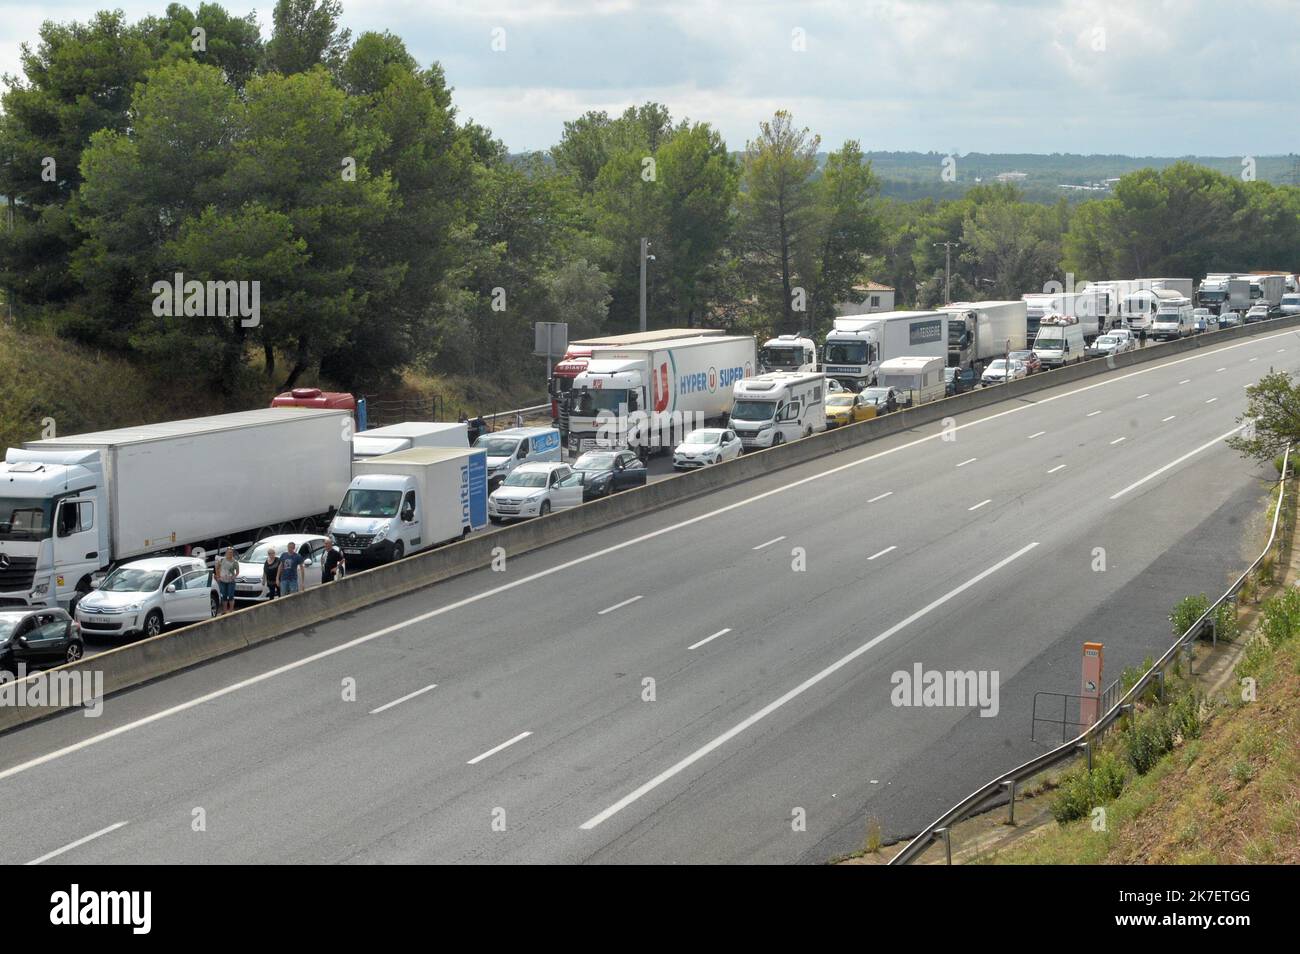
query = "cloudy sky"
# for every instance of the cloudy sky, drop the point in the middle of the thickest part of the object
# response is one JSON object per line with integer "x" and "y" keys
{"x": 1141, "y": 77}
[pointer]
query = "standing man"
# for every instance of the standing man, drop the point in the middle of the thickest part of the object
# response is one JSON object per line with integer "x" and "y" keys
{"x": 290, "y": 574}
{"x": 227, "y": 571}
{"x": 331, "y": 561}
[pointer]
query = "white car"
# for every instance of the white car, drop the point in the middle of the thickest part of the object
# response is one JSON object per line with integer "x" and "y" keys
{"x": 533, "y": 490}
{"x": 708, "y": 445}
{"x": 251, "y": 585}
{"x": 146, "y": 595}
{"x": 1112, "y": 344}
{"x": 996, "y": 372}
{"x": 1126, "y": 334}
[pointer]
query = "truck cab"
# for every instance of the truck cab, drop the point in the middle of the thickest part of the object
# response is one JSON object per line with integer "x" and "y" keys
{"x": 53, "y": 528}
{"x": 851, "y": 353}
{"x": 788, "y": 353}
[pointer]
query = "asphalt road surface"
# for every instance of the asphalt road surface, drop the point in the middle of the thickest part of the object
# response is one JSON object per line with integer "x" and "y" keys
{"x": 689, "y": 685}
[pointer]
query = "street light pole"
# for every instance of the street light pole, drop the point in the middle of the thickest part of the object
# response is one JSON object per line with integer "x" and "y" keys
{"x": 947, "y": 269}
{"x": 645, "y": 247}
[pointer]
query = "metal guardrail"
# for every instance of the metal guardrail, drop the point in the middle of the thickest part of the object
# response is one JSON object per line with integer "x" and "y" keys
{"x": 941, "y": 827}
{"x": 382, "y": 412}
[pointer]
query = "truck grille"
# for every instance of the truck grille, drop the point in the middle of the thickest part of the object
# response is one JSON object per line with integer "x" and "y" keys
{"x": 17, "y": 573}
{"x": 354, "y": 539}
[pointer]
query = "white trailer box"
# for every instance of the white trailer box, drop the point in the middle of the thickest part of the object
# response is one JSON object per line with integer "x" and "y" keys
{"x": 404, "y": 436}
{"x": 856, "y": 345}
{"x": 88, "y": 501}
{"x": 921, "y": 378}
{"x": 978, "y": 331}
{"x": 647, "y": 398}
{"x": 443, "y": 489}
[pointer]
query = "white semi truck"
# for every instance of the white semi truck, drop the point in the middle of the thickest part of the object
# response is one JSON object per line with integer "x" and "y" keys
{"x": 399, "y": 437}
{"x": 780, "y": 406}
{"x": 1222, "y": 292}
{"x": 71, "y": 507}
{"x": 647, "y": 398}
{"x": 398, "y": 504}
{"x": 788, "y": 353}
{"x": 979, "y": 331}
{"x": 1267, "y": 289}
{"x": 856, "y": 345}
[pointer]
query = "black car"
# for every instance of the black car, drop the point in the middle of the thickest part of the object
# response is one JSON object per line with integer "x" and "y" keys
{"x": 606, "y": 472}
{"x": 958, "y": 381}
{"x": 36, "y": 638}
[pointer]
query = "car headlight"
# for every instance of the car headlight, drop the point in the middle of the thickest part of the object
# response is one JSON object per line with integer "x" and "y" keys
{"x": 135, "y": 607}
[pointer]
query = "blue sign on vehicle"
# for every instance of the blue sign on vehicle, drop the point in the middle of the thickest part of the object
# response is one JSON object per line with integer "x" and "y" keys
{"x": 924, "y": 332}
{"x": 546, "y": 442}
{"x": 474, "y": 492}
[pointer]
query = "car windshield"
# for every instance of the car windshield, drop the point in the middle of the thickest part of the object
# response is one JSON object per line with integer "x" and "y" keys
{"x": 527, "y": 478}
{"x": 998, "y": 365}
{"x": 785, "y": 358}
{"x": 258, "y": 553}
{"x": 845, "y": 352}
{"x": 839, "y": 400}
{"x": 370, "y": 503}
{"x": 703, "y": 437}
{"x": 594, "y": 460}
{"x": 875, "y": 395}
{"x": 128, "y": 579}
{"x": 25, "y": 519}
{"x": 1107, "y": 341}
{"x": 497, "y": 446}
{"x": 753, "y": 411}
{"x": 1021, "y": 355}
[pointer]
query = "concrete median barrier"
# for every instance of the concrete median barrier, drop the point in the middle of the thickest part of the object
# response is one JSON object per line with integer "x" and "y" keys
{"x": 140, "y": 662}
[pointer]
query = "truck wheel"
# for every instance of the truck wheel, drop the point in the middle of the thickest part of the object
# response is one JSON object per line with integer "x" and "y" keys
{"x": 153, "y": 623}
{"x": 399, "y": 551}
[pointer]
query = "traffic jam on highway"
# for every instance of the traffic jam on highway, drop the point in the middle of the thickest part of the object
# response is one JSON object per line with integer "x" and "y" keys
{"x": 100, "y": 544}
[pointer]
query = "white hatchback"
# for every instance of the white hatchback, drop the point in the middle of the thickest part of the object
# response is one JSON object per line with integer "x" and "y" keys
{"x": 534, "y": 490}
{"x": 708, "y": 445}
{"x": 251, "y": 583}
{"x": 146, "y": 595}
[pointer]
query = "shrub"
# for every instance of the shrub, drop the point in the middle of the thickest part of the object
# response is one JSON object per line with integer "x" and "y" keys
{"x": 1187, "y": 611}
{"x": 1281, "y": 617}
{"x": 1226, "y": 625}
{"x": 1083, "y": 790}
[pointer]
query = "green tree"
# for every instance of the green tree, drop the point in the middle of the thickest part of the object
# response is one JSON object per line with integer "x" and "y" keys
{"x": 777, "y": 211}
{"x": 306, "y": 34}
{"x": 1271, "y": 422}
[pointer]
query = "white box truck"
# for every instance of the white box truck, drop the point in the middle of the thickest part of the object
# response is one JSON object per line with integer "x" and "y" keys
{"x": 1089, "y": 305}
{"x": 856, "y": 345}
{"x": 978, "y": 331}
{"x": 920, "y": 379}
{"x": 71, "y": 507}
{"x": 404, "y": 436}
{"x": 1267, "y": 289}
{"x": 1173, "y": 319}
{"x": 1059, "y": 341}
{"x": 398, "y": 504}
{"x": 780, "y": 406}
{"x": 1224, "y": 292}
{"x": 788, "y": 353}
{"x": 648, "y": 398}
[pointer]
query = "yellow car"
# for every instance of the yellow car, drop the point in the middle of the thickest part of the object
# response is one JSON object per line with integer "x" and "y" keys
{"x": 845, "y": 407}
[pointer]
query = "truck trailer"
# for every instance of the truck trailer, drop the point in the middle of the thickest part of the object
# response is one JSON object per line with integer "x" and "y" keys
{"x": 979, "y": 331}
{"x": 1224, "y": 292}
{"x": 407, "y": 435}
{"x": 398, "y": 504}
{"x": 71, "y": 507}
{"x": 856, "y": 345}
{"x": 647, "y": 398}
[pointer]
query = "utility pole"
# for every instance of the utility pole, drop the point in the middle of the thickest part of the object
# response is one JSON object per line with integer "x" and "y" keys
{"x": 947, "y": 269}
{"x": 645, "y": 247}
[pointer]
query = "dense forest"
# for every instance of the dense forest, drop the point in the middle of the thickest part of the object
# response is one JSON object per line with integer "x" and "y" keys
{"x": 386, "y": 233}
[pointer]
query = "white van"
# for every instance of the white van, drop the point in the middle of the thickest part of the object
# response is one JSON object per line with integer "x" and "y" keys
{"x": 779, "y": 406}
{"x": 1173, "y": 319}
{"x": 507, "y": 449}
{"x": 1059, "y": 341}
{"x": 921, "y": 378}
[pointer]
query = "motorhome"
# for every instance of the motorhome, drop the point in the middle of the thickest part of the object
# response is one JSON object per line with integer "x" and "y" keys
{"x": 778, "y": 407}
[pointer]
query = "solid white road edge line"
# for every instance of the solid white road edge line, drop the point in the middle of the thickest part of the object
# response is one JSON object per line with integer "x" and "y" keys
{"x": 882, "y": 552}
{"x": 76, "y": 844}
{"x": 605, "y": 551}
{"x": 409, "y": 695}
{"x": 794, "y": 693}
{"x": 495, "y": 749}
{"x": 1175, "y": 463}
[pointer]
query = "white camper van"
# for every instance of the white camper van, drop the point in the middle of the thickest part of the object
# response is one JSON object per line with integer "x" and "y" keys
{"x": 779, "y": 406}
